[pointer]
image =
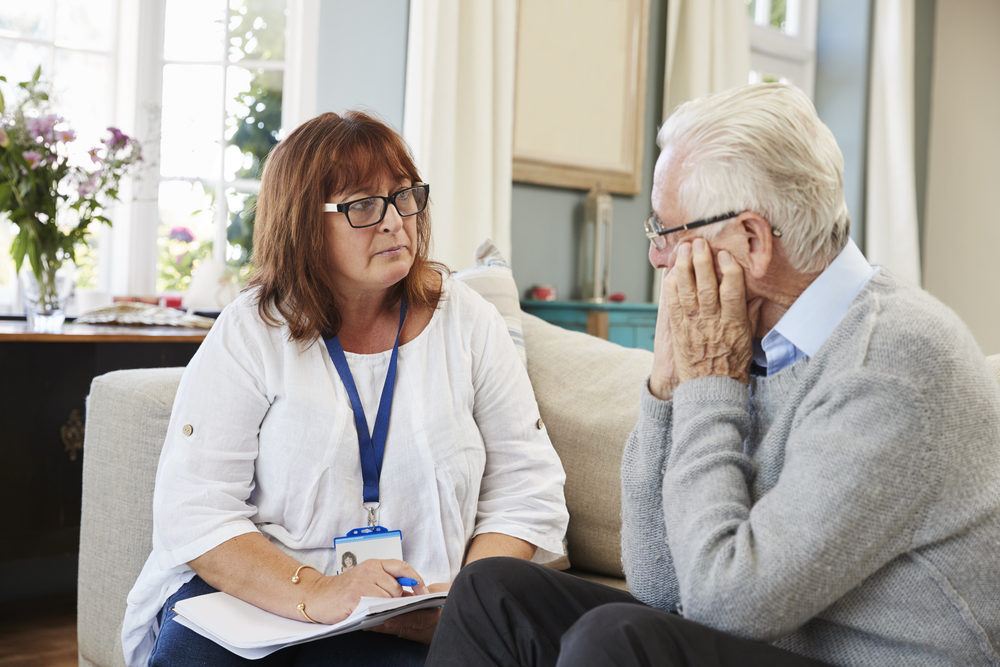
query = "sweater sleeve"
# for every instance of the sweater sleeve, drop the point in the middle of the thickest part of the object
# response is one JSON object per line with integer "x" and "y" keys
{"x": 763, "y": 569}
{"x": 649, "y": 568}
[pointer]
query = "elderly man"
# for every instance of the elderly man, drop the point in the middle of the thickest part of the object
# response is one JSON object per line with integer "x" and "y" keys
{"x": 815, "y": 474}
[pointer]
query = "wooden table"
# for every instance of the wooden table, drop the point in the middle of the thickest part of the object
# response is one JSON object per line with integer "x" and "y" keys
{"x": 44, "y": 382}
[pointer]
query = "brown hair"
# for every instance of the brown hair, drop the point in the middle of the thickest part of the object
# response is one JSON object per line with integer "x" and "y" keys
{"x": 327, "y": 155}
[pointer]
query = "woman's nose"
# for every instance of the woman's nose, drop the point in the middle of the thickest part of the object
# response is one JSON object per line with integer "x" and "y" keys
{"x": 392, "y": 220}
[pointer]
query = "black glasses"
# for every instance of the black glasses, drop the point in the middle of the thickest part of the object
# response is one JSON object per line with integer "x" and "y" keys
{"x": 655, "y": 231}
{"x": 371, "y": 210}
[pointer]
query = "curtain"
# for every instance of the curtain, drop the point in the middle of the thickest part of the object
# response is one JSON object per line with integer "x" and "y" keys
{"x": 891, "y": 232}
{"x": 459, "y": 120}
{"x": 708, "y": 50}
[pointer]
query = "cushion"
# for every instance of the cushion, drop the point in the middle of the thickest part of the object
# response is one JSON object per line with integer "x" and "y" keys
{"x": 492, "y": 278}
{"x": 588, "y": 394}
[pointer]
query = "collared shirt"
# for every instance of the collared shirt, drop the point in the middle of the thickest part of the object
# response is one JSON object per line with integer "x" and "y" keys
{"x": 816, "y": 313}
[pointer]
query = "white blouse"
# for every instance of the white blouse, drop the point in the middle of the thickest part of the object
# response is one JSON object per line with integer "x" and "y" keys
{"x": 262, "y": 438}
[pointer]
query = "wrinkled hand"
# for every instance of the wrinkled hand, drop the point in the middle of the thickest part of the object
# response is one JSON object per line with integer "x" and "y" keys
{"x": 332, "y": 599}
{"x": 417, "y": 625}
{"x": 663, "y": 378}
{"x": 711, "y": 324}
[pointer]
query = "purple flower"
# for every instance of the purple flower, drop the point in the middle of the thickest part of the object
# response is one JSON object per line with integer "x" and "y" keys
{"x": 4, "y": 139}
{"x": 65, "y": 136}
{"x": 43, "y": 128}
{"x": 117, "y": 140}
{"x": 94, "y": 157}
{"x": 33, "y": 158}
{"x": 182, "y": 234}
{"x": 88, "y": 187}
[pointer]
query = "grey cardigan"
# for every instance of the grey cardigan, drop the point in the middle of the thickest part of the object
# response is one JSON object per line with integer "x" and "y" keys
{"x": 846, "y": 508}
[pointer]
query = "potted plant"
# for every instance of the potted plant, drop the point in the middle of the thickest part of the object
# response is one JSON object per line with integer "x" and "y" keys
{"x": 52, "y": 198}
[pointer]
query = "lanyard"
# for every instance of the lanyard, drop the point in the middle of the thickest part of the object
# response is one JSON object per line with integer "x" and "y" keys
{"x": 372, "y": 447}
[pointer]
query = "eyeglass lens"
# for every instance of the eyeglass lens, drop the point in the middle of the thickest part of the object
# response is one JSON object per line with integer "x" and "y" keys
{"x": 369, "y": 211}
{"x": 652, "y": 230}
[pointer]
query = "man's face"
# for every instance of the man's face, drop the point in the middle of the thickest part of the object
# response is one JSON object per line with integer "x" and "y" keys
{"x": 666, "y": 184}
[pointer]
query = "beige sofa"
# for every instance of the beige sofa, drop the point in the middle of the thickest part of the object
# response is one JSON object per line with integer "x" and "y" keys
{"x": 587, "y": 389}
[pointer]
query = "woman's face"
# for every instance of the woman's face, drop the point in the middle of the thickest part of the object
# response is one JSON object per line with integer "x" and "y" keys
{"x": 371, "y": 259}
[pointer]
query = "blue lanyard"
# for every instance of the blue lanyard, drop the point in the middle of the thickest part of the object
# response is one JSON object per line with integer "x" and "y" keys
{"x": 372, "y": 446}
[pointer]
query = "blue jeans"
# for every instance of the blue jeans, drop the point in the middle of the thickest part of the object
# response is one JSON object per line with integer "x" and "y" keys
{"x": 176, "y": 646}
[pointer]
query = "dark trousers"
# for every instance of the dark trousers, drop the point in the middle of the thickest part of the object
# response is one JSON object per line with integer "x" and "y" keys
{"x": 504, "y": 611}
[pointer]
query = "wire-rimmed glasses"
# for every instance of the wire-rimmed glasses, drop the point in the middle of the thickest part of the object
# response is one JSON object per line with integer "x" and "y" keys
{"x": 371, "y": 210}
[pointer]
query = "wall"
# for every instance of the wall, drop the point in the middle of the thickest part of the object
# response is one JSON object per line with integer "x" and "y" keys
{"x": 546, "y": 221}
{"x": 362, "y": 57}
{"x": 961, "y": 234}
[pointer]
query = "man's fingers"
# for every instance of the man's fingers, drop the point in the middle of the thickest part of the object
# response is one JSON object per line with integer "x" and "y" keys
{"x": 732, "y": 291}
{"x": 683, "y": 276}
{"x": 706, "y": 285}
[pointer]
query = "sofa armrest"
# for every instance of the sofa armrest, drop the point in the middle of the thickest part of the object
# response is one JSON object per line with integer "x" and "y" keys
{"x": 127, "y": 417}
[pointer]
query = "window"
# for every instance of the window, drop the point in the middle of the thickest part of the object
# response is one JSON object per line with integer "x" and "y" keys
{"x": 783, "y": 41}
{"x": 76, "y": 45}
{"x": 223, "y": 66}
{"x": 208, "y": 86}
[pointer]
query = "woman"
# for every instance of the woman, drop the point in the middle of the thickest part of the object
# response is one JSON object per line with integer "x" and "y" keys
{"x": 262, "y": 467}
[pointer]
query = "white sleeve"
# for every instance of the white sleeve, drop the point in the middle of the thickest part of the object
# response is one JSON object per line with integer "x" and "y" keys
{"x": 206, "y": 470}
{"x": 522, "y": 488}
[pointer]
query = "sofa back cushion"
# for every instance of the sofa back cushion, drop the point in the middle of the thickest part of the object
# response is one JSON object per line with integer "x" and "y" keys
{"x": 588, "y": 394}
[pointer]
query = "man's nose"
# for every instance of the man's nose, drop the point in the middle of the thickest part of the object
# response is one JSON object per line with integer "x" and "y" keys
{"x": 660, "y": 259}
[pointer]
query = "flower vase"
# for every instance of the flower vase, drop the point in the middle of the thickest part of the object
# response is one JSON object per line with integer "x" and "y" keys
{"x": 45, "y": 301}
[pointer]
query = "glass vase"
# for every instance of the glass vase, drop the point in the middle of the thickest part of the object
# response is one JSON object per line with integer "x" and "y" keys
{"x": 45, "y": 301}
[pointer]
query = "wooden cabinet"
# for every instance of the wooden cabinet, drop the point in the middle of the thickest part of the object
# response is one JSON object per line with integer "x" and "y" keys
{"x": 45, "y": 382}
{"x": 628, "y": 324}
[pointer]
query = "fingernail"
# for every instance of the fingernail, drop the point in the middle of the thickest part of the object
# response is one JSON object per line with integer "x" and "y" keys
{"x": 725, "y": 259}
{"x": 684, "y": 250}
{"x": 699, "y": 245}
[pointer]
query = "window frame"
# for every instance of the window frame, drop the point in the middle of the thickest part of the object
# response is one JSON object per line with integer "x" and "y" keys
{"x": 789, "y": 55}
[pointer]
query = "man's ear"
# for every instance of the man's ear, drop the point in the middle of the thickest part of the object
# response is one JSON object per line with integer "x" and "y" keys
{"x": 760, "y": 243}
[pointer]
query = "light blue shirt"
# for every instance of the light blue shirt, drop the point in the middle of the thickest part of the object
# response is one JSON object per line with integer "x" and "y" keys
{"x": 816, "y": 313}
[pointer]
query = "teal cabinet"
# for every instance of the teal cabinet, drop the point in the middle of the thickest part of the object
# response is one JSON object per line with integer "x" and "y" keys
{"x": 627, "y": 324}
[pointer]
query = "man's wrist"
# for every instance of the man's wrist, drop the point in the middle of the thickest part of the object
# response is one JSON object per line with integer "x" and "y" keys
{"x": 664, "y": 391}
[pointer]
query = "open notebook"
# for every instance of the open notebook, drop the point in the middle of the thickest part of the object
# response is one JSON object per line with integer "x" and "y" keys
{"x": 250, "y": 632}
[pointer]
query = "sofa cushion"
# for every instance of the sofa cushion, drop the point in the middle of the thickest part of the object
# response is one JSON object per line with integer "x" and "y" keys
{"x": 588, "y": 394}
{"x": 492, "y": 278}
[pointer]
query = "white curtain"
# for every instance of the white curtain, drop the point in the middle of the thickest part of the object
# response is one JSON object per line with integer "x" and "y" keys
{"x": 708, "y": 50}
{"x": 459, "y": 120}
{"x": 891, "y": 233}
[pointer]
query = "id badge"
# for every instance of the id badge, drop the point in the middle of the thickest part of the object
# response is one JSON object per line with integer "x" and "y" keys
{"x": 363, "y": 543}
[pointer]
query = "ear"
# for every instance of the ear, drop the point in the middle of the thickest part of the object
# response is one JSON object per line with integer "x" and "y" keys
{"x": 760, "y": 243}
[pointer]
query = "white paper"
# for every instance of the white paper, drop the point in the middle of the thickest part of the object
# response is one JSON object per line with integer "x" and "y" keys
{"x": 253, "y": 633}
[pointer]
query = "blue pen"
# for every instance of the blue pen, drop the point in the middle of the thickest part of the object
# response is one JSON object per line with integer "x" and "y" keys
{"x": 406, "y": 581}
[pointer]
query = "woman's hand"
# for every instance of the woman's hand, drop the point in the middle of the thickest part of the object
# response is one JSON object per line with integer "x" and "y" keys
{"x": 332, "y": 599}
{"x": 417, "y": 625}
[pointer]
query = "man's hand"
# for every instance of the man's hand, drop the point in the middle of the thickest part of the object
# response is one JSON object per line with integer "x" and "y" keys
{"x": 663, "y": 379}
{"x": 711, "y": 325}
{"x": 417, "y": 625}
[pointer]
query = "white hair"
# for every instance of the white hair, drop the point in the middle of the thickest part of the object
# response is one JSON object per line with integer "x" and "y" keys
{"x": 762, "y": 148}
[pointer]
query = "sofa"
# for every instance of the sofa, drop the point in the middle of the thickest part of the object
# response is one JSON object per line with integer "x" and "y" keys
{"x": 587, "y": 390}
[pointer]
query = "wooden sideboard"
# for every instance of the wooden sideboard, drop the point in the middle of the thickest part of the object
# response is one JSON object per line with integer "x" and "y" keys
{"x": 628, "y": 324}
{"x": 43, "y": 390}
